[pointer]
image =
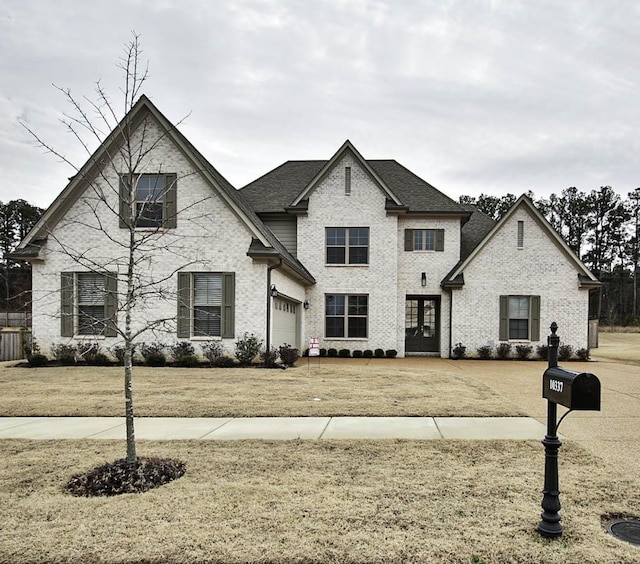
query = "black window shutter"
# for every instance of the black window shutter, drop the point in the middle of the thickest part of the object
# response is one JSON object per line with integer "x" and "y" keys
{"x": 184, "y": 305}
{"x": 111, "y": 304}
{"x": 171, "y": 201}
{"x": 504, "y": 318}
{"x": 439, "y": 239}
{"x": 124, "y": 213}
{"x": 66, "y": 304}
{"x": 535, "y": 318}
{"x": 408, "y": 239}
{"x": 228, "y": 304}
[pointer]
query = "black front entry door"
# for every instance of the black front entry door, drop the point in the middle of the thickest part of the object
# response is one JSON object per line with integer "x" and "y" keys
{"x": 422, "y": 324}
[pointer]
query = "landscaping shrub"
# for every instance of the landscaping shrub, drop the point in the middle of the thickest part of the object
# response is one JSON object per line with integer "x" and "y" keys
{"x": 565, "y": 352}
{"x": 100, "y": 359}
{"x": 356, "y": 354}
{"x": 153, "y": 354}
{"x": 323, "y": 352}
{"x": 269, "y": 358}
{"x": 118, "y": 478}
{"x": 180, "y": 350}
{"x": 391, "y": 353}
{"x": 503, "y": 351}
{"x": 583, "y": 354}
{"x": 64, "y": 354}
{"x": 485, "y": 352}
{"x": 378, "y": 353}
{"x": 368, "y": 353}
{"x": 288, "y": 355}
{"x": 224, "y": 362}
{"x": 247, "y": 348}
{"x": 118, "y": 352}
{"x": 332, "y": 352}
{"x": 37, "y": 359}
{"x": 523, "y": 352}
{"x": 459, "y": 351}
{"x": 212, "y": 350}
{"x": 88, "y": 351}
{"x": 188, "y": 361}
{"x": 344, "y": 353}
{"x": 543, "y": 352}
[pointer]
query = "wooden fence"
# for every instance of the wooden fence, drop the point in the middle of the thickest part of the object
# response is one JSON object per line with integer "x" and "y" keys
{"x": 12, "y": 342}
{"x": 15, "y": 319}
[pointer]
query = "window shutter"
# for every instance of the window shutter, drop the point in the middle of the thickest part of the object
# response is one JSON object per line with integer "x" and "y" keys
{"x": 439, "y": 239}
{"x": 111, "y": 304}
{"x": 66, "y": 304}
{"x": 228, "y": 304}
{"x": 504, "y": 318}
{"x": 124, "y": 212}
{"x": 408, "y": 239}
{"x": 535, "y": 318}
{"x": 184, "y": 305}
{"x": 171, "y": 201}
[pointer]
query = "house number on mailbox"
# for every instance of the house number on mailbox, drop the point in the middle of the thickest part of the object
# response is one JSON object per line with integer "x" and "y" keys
{"x": 555, "y": 385}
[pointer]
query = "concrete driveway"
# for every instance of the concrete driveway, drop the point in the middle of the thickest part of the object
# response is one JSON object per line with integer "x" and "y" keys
{"x": 612, "y": 433}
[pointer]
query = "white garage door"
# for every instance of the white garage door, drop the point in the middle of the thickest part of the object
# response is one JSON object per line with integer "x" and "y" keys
{"x": 285, "y": 322}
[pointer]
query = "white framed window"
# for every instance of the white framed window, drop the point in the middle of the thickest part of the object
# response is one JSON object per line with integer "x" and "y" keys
{"x": 347, "y": 245}
{"x": 207, "y": 304}
{"x": 520, "y": 318}
{"x": 346, "y": 316}
{"x": 424, "y": 240}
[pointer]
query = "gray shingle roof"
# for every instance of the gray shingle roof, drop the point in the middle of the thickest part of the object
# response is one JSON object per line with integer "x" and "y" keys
{"x": 474, "y": 230}
{"x": 277, "y": 189}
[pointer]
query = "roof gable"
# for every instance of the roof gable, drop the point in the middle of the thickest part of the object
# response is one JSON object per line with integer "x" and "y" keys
{"x": 346, "y": 149}
{"x": 586, "y": 277}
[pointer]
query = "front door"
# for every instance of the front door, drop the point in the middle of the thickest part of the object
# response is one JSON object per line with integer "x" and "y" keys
{"x": 422, "y": 324}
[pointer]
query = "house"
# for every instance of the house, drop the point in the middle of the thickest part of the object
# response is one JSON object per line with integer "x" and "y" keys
{"x": 360, "y": 253}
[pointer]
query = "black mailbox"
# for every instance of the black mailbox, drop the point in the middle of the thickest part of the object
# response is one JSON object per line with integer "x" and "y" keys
{"x": 575, "y": 390}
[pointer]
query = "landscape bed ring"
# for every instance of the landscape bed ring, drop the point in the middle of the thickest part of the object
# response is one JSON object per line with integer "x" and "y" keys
{"x": 626, "y": 529}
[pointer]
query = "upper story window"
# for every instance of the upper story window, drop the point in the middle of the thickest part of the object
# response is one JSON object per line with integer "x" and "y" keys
{"x": 154, "y": 204}
{"x": 424, "y": 239}
{"x": 520, "y": 241}
{"x": 347, "y": 245}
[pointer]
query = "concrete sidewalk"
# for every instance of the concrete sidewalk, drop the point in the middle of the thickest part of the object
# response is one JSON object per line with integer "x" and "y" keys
{"x": 274, "y": 428}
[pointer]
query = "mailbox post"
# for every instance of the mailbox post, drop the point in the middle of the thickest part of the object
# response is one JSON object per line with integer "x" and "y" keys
{"x": 576, "y": 391}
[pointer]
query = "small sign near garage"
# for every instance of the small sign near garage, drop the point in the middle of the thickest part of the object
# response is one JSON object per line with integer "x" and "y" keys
{"x": 314, "y": 346}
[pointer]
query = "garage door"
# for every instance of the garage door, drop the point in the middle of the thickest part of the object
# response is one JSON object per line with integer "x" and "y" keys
{"x": 285, "y": 322}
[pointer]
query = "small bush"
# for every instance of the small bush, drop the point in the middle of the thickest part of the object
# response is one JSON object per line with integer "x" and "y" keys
{"x": 391, "y": 353}
{"x": 118, "y": 352}
{"x": 224, "y": 362}
{"x": 155, "y": 359}
{"x": 188, "y": 361}
{"x": 344, "y": 353}
{"x": 565, "y": 352}
{"x": 288, "y": 355}
{"x": 31, "y": 349}
{"x": 523, "y": 352}
{"x": 37, "y": 359}
{"x": 543, "y": 352}
{"x": 64, "y": 354}
{"x": 305, "y": 353}
{"x": 100, "y": 359}
{"x": 368, "y": 353}
{"x": 269, "y": 358}
{"x": 379, "y": 353}
{"x": 247, "y": 348}
{"x": 332, "y": 352}
{"x": 583, "y": 354}
{"x": 503, "y": 351}
{"x": 181, "y": 349}
{"x": 356, "y": 354}
{"x": 485, "y": 352}
{"x": 459, "y": 351}
{"x": 323, "y": 352}
{"x": 212, "y": 350}
{"x": 88, "y": 351}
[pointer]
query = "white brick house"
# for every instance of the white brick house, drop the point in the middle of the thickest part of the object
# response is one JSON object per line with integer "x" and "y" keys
{"x": 363, "y": 254}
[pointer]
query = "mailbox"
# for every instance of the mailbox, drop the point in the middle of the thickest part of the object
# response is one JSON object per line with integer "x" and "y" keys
{"x": 575, "y": 390}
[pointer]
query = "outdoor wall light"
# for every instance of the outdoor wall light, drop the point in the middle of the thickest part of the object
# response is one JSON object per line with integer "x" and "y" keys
{"x": 305, "y": 305}
{"x": 424, "y": 278}
{"x": 274, "y": 291}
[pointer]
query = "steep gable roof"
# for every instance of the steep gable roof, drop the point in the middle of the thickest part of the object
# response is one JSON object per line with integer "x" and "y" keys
{"x": 142, "y": 110}
{"x": 290, "y": 183}
{"x": 585, "y": 277}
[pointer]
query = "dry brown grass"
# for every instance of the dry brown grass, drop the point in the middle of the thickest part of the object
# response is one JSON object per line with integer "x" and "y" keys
{"x": 312, "y": 501}
{"x": 619, "y": 329}
{"x": 350, "y": 388}
{"x": 618, "y": 347}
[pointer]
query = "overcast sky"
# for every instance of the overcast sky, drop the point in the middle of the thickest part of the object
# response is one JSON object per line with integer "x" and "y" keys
{"x": 490, "y": 96}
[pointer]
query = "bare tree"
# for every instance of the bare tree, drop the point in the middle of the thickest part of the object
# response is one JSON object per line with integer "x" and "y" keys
{"x": 125, "y": 182}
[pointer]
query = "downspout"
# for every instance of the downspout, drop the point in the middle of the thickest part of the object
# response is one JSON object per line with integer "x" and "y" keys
{"x": 269, "y": 269}
{"x": 450, "y": 321}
